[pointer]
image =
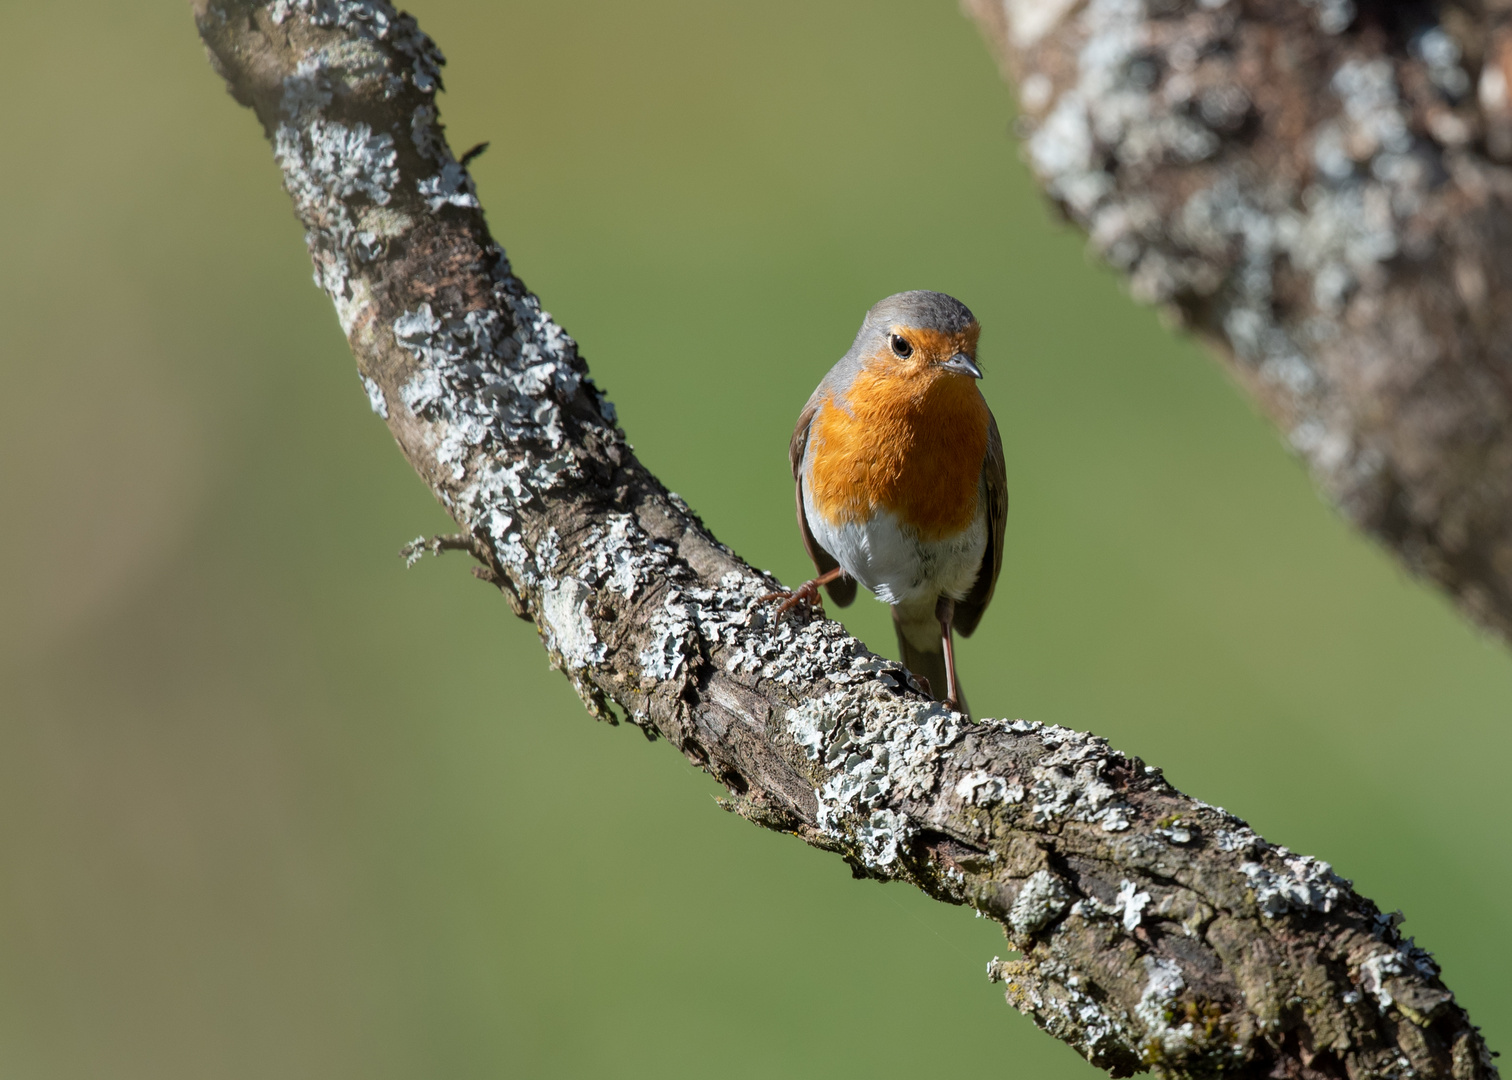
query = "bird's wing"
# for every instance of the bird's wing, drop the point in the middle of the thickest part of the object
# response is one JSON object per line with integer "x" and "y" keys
{"x": 843, "y": 589}
{"x": 968, "y": 612}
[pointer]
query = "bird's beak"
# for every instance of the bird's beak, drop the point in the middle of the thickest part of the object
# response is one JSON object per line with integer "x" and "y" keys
{"x": 964, "y": 364}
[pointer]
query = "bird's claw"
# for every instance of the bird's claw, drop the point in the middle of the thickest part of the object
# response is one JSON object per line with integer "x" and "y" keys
{"x": 806, "y": 594}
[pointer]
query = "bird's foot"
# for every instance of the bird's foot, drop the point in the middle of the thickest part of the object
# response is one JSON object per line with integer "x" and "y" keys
{"x": 806, "y": 594}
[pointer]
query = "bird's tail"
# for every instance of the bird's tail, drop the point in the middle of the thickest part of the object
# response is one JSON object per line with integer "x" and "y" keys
{"x": 921, "y": 651}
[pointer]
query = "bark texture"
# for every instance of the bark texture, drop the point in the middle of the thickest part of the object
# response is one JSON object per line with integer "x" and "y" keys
{"x": 1156, "y": 932}
{"x": 1319, "y": 189}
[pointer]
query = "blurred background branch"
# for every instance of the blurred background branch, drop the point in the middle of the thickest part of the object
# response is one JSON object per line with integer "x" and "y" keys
{"x": 1156, "y": 931}
{"x": 1320, "y": 189}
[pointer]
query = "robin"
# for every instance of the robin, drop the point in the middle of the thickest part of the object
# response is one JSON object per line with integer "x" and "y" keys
{"x": 900, "y": 478}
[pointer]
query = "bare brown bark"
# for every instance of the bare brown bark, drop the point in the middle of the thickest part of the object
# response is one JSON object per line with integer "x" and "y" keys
{"x": 1156, "y": 932}
{"x": 1317, "y": 188}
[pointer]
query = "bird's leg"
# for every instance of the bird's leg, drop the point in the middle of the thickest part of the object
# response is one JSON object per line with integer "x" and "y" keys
{"x": 807, "y": 593}
{"x": 945, "y": 612}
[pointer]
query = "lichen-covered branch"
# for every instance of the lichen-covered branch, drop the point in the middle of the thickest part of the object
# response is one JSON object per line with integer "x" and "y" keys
{"x": 1155, "y": 931}
{"x": 1319, "y": 188}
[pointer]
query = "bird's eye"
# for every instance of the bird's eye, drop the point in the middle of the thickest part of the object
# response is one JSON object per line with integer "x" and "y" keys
{"x": 900, "y": 346}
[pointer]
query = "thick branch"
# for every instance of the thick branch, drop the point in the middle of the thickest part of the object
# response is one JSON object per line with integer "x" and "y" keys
{"x": 1319, "y": 192}
{"x": 1156, "y": 931}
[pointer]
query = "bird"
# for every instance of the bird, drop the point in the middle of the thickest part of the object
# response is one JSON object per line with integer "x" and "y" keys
{"x": 901, "y": 482}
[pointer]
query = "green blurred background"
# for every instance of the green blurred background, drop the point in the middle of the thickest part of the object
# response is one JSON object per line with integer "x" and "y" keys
{"x": 270, "y": 806}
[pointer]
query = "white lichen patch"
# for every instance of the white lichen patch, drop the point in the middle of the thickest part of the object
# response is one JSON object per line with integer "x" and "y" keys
{"x": 981, "y": 789}
{"x": 1163, "y": 982}
{"x": 789, "y": 653}
{"x": 1178, "y": 832}
{"x": 1068, "y": 782}
{"x": 693, "y": 619}
{"x": 1236, "y": 837}
{"x": 413, "y": 551}
{"x": 484, "y": 380}
{"x": 491, "y": 382}
{"x": 1043, "y": 899}
{"x": 342, "y": 177}
{"x": 1110, "y": 116}
{"x": 809, "y": 724}
{"x": 876, "y": 751}
{"x": 1129, "y": 904}
{"x": 373, "y": 20}
{"x": 672, "y": 639}
{"x": 327, "y": 165}
{"x": 452, "y": 186}
{"x": 1406, "y": 960}
{"x": 548, "y": 553}
{"x": 1373, "y": 973}
{"x": 622, "y": 556}
{"x": 882, "y": 835}
{"x": 327, "y": 160}
{"x": 568, "y": 626}
{"x": 1306, "y": 884}
{"x": 307, "y": 90}
{"x": 1051, "y": 993}
{"x": 375, "y": 397}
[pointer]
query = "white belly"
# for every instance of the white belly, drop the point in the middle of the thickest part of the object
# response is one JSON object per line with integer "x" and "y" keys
{"x": 890, "y": 559}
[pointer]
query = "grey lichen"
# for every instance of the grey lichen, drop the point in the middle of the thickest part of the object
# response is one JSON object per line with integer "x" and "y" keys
{"x": 1377, "y": 971}
{"x": 568, "y": 624}
{"x": 810, "y": 724}
{"x": 375, "y": 20}
{"x": 339, "y": 173}
{"x": 1163, "y": 983}
{"x": 1069, "y": 781}
{"x": 1043, "y": 899}
{"x": 376, "y": 400}
{"x": 483, "y": 376}
{"x": 881, "y": 836}
{"x": 693, "y": 621}
{"x": 982, "y": 789}
{"x": 624, "y": 559}
{"x": 1178, "y": 831}
{"x": 452, "y": 186}
{"x": 1307, "y": 884}
{"x": 325, "y": 165}
{"x": 1130, "y": 904}
{"x": 876, "y": 752}
{"x": 1050, "y": 992}
{"x": 671, "y": 639}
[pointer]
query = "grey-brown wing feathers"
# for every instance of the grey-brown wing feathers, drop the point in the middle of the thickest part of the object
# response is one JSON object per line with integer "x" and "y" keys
{"x": 968, "y": 612}
{"x": 843, "y": 589}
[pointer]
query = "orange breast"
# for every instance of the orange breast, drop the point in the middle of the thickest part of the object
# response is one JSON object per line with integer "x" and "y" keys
{"x": 909, "y": 442}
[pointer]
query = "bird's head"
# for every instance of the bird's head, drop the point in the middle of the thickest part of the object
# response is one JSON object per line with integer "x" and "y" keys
{"x": 920, "y": 333}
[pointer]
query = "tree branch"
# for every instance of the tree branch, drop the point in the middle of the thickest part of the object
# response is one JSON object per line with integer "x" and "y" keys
{"x": 1316, "y": 188}
{"x": 1156, "y": 931}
